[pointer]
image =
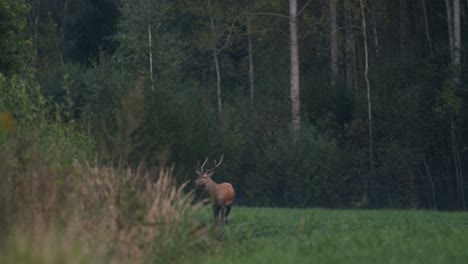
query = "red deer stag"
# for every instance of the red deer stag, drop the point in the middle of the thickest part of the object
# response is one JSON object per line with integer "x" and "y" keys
{"x": 221, "y": 195}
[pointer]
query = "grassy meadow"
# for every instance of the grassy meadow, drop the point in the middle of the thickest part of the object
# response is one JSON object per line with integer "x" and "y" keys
{"x": 276, "y": 235}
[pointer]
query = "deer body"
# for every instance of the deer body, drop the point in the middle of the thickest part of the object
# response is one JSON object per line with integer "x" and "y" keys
{"x": 221, "y": 195}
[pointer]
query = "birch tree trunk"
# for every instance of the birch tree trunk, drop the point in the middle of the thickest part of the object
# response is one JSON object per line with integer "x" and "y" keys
{"x": 251, "y": 62}
{"x": 458, "y": 84}
{"x": 456, "y": 80}
{"x": 294, "y": 88}
{"x": 150, "y": 46}
{"x": 215, "y": 57}
{"x": 369, "y": 100}
{"x": 334, "y": 63}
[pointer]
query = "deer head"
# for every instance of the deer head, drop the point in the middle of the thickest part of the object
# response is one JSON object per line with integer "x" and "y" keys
{"x": 204, "y": 176}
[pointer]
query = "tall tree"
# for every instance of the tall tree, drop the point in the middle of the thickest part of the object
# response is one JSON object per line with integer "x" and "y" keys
{"x": 426, "y": 27}
{"x": 369, "y": 99}
{"x": 453, "y": 25}
{"x": 334, "y": 45}
{"x": 141, "y": 21}
{"x": 374, "y": 29}
{"x": 251, "y": 61}
{"x": 456, "y": 44}
{"x": 150, "y": 42}
{"x": 404, "y": 30}
{"x": 448, "y": 7}
{"x": 294, "y": 88}
{"x": 214, "y": 49}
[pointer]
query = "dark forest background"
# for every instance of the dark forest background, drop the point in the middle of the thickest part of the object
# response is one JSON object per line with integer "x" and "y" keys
{"x": 170, "y": 82}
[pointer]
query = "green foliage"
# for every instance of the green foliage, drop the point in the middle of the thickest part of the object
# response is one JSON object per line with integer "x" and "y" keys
{"x": 15, "y": 43}
{"x": 167, "y": 49}
{"x": 447, "y": 102}
{"x": 182, "y": 121}
{"x": 304, "y": 173}
{"x": 40, "y": 123}
{"x": 65, "y": 85}
{"x": 396, "y": 176}
{"x": 105, "y": 84}
{"x": 23, "y": 98}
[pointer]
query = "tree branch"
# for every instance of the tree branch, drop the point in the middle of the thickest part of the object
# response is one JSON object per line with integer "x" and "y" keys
{"x": 302, "y": 9}
{"x": 268, "y": 14}
{"x": 228, "y": 38}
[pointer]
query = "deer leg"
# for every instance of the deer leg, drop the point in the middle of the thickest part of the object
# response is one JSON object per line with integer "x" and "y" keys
{"x": 228, "y": 210}
{"x": 216, "y": 209}
{"x": 222, "y": 214}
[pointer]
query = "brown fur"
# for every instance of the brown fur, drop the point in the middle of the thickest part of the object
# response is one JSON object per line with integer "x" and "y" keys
{"x": 221, "y": 195}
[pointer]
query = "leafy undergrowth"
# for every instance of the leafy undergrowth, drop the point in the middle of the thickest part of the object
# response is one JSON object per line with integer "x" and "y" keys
{"x": 268, "y": 235}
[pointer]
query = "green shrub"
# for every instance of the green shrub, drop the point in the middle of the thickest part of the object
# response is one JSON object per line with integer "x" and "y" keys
{"x": 23, "y": 98}
{"x": 304, "y": 173}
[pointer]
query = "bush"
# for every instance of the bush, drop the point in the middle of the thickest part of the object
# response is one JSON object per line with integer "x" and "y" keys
{"x": 304, "y": 173}
{"x": 22, "y": 98}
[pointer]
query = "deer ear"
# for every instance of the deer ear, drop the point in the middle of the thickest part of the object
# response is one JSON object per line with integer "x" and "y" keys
{"x": 210, "y": 173}
{"x": 198, "y": 172}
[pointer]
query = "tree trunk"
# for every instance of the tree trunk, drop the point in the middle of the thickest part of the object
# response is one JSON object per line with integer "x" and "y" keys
{"x": 369, "y": 100}
{"x": 375, "y": 31}
{"x": 450, "y": 28}
{"x": 251, "y": 62}
{"x": 456, "y": 45}
{"x": 456, "y": 63}
{"x": 215, "y": 57}
{"x": 350, "y": 49}
{"x": 404, "y": 31}
{"x": 431, "y": 182}
{"x": 334, "y": 63}
{"x": 426, "y": 26}
{"x": 457, "y": 163}
{"x": 453, "y": 27}
{"x": 150, "y": 46}
{"x": 294, "y": 88}
{"x": 62, "y": 32}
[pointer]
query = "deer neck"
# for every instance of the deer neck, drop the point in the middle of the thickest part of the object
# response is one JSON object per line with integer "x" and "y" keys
{"x": 210, "y": 187}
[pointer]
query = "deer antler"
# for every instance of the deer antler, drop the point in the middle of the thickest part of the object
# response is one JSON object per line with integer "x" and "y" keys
{"x": 200, "y": 167}
{"x": 216, "y": 164}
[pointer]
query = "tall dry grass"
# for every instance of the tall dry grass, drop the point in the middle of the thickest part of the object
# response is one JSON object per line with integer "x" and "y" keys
{"x": 91, "y": 213}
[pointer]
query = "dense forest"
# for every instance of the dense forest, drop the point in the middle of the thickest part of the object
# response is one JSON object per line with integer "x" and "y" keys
{"x": 314, "y": 103}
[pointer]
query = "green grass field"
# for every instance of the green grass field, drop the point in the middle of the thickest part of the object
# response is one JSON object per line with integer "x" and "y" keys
{"x": 273, "y": 235}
